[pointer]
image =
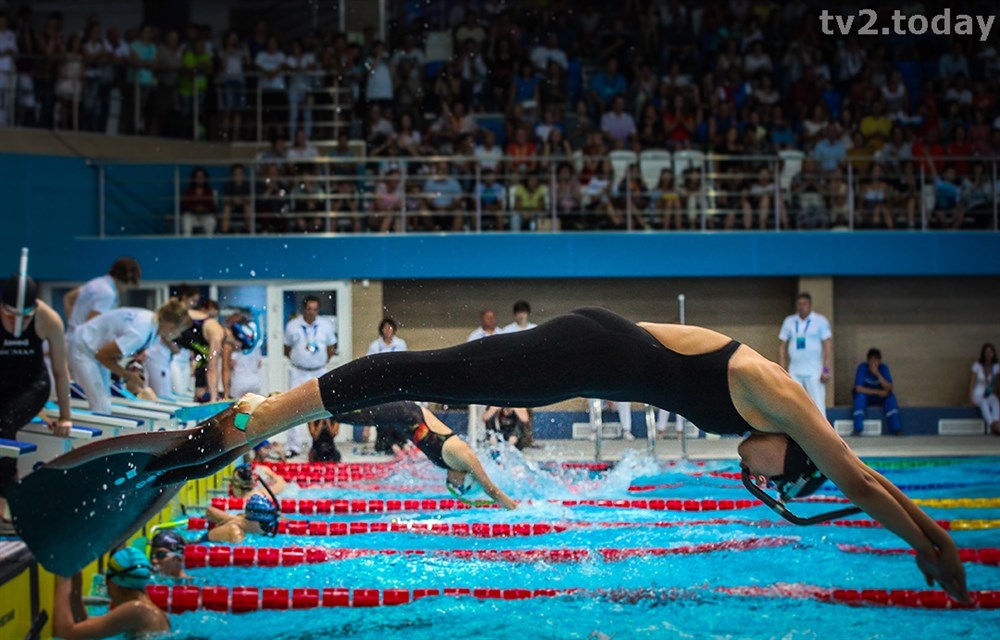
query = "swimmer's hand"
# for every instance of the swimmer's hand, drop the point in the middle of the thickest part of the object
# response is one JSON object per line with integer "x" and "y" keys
{"x": 60, "y": 428}
{"x": 944, "y": 567}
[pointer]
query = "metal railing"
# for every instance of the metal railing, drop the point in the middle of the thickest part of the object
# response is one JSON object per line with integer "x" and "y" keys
{"x": 470, "y": 194}
{"x": 126, "y": 99}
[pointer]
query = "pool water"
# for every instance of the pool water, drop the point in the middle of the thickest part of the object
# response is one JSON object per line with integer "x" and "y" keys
{"x": 648, "y": 596}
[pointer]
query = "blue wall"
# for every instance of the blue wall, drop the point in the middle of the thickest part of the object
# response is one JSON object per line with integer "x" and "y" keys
{"x": 567, "y": 255}
{"x": 50, "y": 204}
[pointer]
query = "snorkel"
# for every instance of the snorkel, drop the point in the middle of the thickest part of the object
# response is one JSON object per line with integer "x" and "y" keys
{"x": 22, "y": 285}
{"x": 800, "y": 478}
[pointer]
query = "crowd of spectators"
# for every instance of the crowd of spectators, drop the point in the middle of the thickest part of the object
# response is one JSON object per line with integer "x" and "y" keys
{"x": 806, "y": 130}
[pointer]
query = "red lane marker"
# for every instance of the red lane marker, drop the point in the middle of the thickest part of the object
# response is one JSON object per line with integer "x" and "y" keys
{"x": 504, "y": 530}
{"x": 986, "y": 555}
{"x": 195, "y": 555}
{"x": 243, "y": 599}
{"x": 306, "y": 506}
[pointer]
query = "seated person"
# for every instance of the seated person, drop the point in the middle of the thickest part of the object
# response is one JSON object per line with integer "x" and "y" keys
{"x": 131, "y": 612}
{"x": 873, "y": 385}
{"x": 136, "y": 383}
{"x": 259, "y": 517}
{"x": 166, "y": 554}
{"x": 267, "y": 450}
{"x": 507, "y": 424}
{"x": 246, "y": 481}
{"x": 324, "y": 449}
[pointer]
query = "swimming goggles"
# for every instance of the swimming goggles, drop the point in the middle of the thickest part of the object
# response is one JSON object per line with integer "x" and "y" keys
{"x": 12, "y": 311}
{"x": 787, "y": 491}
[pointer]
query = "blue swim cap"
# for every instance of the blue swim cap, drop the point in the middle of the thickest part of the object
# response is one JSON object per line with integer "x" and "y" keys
{"x": 129, "y": 568}
{"x": 261, "y": 510}
{"x": 246, "y": 334}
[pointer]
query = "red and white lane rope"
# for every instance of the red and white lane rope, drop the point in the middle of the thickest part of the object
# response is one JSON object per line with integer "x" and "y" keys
{"x": 200, "y": 556}
{"x": 180, "y": 599}
{"x": 986, "y": 555}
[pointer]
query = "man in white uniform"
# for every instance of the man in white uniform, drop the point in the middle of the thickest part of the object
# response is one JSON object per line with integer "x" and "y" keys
{"x": 100, "y": 294}
{"x": 98, "y": 346}
{"x": 310, "y": 342}
{"x": 522, "y": 315}
{"x": 807, "y": 348}
{"x": 487, "y": 326}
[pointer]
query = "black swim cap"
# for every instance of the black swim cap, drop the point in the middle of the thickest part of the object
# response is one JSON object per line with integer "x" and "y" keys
{"x": 10, "y": 291}
{"x": 170, "y": 540}
{"x": 800, "y": 476}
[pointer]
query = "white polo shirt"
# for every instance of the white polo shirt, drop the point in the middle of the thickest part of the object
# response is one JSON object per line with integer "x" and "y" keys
{"x": 805, "y": 343}
{"x": 131, "y": 329}
{"x": 480, "y": 333}
{"x": 100, "y": 295}
{"x": 309, "y": 342}
{"x": 379, "y": 346}
{"x": 513, "y": 327}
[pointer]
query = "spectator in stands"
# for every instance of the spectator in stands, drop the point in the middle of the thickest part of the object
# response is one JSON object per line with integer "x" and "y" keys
{"x": 388, "y": 202}
{"x": 531, "y": 202}
{"x": 236, "y": 199}
{"x": 665, "y": 200}
{"x": 131, "y": 613}
{"x": 953, "y": 63}
{"x": 308, "y": 199}
{"x": 474, "y": 74}
{"x": 597, "y": 197}
{"x": 806, "y": 349}
{"x": 444, "y": 196}
{"x": 8, "y": 67}
{"x": 491, "y": 197}
{"x": 69, "y": 82}
{"x": 231, "y": 79}
{"x": 345, "y": 206}
{"x": 830, "y": 152}
{"x": 488, "y": 154}
{"x": 193, "y": 86}
{"x": 136, "y": 102}
{"x": 809, "y": 197}
{"x": 271, "y": 64}
{"x": 783, "y": 136}
{"x": 618, "y": 125}
{"x": 873, "y": 385}
{"x": 894, "y": 94}
{"x": 97, "y": 75}
{"x": 631, "y": 200}
{"x": 949, "y": 210}
{"x": 273, "y": 197}
{"x": 470, "y": 30}
{"x": 984, "y": 387}
{"x": 199, "y": 204}
{"x": 896, "y": 151}
{"x": 507, "y": 424}
{"x": 875, "y": 198}
{"x": 522, "y": 153}
{"x": 487, "y": 326}
{"x": 50, "y": 47}
{"x": 378, "y": 84}
{"x": 301, "y": 65}
{"x": 166, "y": 100}
{"x": 387, "y": 340}
{"x": 762, "y": 197}
{"x": 605, "y": 85}
{"x": 977, "y": 192}
{"x": 502, "y": 64}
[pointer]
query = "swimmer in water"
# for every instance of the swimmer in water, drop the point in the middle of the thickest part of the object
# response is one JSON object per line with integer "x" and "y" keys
{"x": 722, "y": 386}
{"x": 246, "y": 481}
{"x": 260, "y": 517}
{"x": 131, "y": 612}
{"x": 433, "y": 437}
{"x": 166, "y": 554}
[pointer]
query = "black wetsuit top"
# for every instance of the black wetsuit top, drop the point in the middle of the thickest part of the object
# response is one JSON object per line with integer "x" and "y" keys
{"x": 407, "y": 419}
{"x": 21, "y": 358}
{"x": 193, "y": 339}
{"x": 590, "y": 353}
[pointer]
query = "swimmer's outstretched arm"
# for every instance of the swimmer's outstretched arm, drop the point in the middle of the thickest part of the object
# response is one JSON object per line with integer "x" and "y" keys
{"x": 468, "y": 461}
{"x": 789, "y": 410}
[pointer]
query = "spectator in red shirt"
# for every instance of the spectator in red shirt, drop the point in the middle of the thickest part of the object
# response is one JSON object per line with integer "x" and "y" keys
{"x": 198, "y": 204}
{"x": 930, "y": 145}
{"x": 520, "y": 150}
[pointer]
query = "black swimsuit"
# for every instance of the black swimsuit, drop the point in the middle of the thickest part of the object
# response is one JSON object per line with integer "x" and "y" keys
{"x": 406, "y": 419}
{"x": 590, "y": 353}
{"x": 24, "y": 388}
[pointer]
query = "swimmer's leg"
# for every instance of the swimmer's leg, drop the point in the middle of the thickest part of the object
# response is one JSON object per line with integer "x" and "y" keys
{"x": 589, "y": 352}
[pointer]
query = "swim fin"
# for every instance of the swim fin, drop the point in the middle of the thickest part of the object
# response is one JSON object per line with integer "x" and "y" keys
{"x": 85, "y": 502}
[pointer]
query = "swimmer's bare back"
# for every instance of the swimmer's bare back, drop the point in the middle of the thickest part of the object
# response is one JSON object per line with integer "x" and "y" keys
{"x": 763, "y": 393}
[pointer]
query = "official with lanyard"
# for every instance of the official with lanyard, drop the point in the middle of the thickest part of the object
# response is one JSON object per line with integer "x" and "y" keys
{"x": 807, "y": 349}
{"x": 310, "y": 343}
